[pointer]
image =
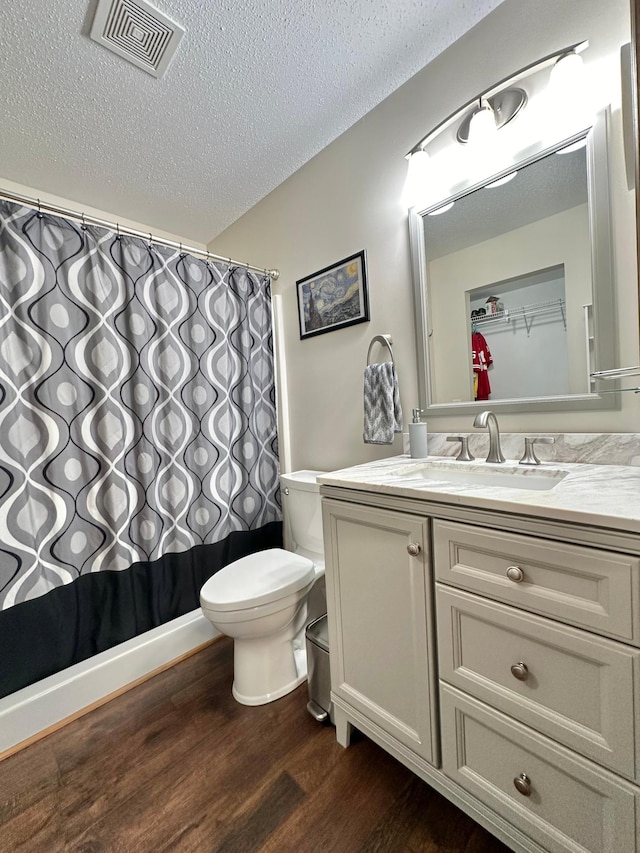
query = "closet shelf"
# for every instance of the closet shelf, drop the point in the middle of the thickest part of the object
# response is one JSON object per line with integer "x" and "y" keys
{"x": 526, "y": 312}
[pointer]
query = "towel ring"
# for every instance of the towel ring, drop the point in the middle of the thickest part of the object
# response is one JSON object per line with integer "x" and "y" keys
{"x": 385, "y": 340}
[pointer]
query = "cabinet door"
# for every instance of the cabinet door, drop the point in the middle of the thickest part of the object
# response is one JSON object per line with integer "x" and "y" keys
{"x": 380, "y": 622}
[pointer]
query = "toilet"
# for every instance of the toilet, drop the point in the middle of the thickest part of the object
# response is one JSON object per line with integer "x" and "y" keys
{"x": 262, "y": 600}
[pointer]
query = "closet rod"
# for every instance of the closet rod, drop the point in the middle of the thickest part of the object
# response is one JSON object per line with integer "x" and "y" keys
{"x": 114, "y": 226}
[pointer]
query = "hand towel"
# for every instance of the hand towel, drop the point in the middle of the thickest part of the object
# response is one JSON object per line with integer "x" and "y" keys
{"x": 382, "y": 411}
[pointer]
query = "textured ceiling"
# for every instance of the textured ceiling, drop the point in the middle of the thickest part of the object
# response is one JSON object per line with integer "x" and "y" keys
{"x": 257, "y": 88}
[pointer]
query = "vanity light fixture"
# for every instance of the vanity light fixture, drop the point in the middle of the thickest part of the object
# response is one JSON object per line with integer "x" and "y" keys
{"x": 477, "y": 122}
{"x": 482, "y": 124}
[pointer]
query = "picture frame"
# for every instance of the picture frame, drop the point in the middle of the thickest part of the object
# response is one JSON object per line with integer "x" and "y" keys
{"x": 334, "y": 297}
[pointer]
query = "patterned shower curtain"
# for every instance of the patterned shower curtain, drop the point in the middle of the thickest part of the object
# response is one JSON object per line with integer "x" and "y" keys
{"x": 138, "y": 447}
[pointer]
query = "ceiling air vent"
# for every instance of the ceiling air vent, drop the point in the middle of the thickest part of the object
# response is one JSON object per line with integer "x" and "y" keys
{"x": 136, "y": 31}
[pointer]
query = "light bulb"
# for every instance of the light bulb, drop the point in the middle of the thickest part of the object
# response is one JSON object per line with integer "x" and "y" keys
{"x": 569, "y": 107}
{"x": 417, "y": 183}
{"x": 567, "y": 73}
{"x": 485, "y": 155}
{"x": 482, "y": 127}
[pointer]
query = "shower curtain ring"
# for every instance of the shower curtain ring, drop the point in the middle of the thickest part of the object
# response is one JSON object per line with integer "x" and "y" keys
{"x": 39, "y": 210}
{"x": 117, "y": 230}
{"x": 84, "y": 224}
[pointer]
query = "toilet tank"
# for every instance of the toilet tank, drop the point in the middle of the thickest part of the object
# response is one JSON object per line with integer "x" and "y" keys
{"x": 302, "y": 510}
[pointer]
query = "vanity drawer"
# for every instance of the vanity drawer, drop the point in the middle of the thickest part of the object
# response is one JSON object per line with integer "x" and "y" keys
{"x": 583, "y": 586}
{"x": 575, "y": 687}
{"x": 568, "y": 804}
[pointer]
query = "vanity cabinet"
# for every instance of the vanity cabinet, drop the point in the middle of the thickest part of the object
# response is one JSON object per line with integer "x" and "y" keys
{"x": 502, "y": 667}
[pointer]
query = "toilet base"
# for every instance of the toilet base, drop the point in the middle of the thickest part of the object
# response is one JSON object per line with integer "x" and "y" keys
{"x": 266, "y": 670}
{"x": 267, "y": 697}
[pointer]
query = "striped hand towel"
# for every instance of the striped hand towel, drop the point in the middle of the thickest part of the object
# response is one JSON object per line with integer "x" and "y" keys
{"x": 382, "y": 411}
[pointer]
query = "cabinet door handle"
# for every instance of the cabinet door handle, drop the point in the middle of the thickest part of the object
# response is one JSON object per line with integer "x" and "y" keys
{"x": 523, "y": 784}
{"x": 515, "y": 574}
{"x": 520, "y": 671}
{"x": 414, "y": 549}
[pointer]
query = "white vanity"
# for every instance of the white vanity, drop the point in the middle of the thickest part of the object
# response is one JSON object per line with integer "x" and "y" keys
{"x": 488, "y": 636}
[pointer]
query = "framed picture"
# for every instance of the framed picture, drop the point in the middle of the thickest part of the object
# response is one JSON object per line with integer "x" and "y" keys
{"x": 333, "y": 297}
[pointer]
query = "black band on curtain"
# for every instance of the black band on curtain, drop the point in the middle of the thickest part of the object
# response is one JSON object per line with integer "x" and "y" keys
{"x": 102, "y": 609}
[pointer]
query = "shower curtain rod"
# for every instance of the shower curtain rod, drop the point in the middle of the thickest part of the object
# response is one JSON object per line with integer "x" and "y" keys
{"x": 114, "y": 226}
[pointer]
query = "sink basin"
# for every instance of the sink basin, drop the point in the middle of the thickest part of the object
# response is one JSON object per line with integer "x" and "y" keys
{"x": 481, "y": 474}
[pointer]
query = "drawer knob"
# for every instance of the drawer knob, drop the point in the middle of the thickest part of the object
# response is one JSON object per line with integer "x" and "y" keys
{"x": 414, "y": 549}
{"x": 515, "y": 574}
{"x": 520, "y": 671}
{"x": 523, "y": 784}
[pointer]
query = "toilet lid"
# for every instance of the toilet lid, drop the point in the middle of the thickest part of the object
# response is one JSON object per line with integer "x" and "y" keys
{"x": 257, "y": 579}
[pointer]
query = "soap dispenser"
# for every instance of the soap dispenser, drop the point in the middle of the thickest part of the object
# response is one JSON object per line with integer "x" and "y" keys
{"x": 418, "y": 436}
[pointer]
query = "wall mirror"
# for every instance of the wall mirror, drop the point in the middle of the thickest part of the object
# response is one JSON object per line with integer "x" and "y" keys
{"x": 513, "y": 285}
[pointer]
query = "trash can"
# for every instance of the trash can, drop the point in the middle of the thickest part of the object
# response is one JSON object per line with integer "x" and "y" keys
{"x": 318, "y": 675}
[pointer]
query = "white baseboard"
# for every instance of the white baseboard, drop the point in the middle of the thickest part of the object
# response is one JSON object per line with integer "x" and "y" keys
{"x": 34, "y": 709}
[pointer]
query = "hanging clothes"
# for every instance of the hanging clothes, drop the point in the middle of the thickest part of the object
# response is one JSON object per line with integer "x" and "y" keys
{"x": 481, "y": 359}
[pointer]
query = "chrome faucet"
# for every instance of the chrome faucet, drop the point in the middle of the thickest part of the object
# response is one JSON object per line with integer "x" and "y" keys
{"x": 488, "y": 420}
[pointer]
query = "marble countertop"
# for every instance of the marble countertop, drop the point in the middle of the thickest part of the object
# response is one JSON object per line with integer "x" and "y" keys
{"x": 600, "y": 495}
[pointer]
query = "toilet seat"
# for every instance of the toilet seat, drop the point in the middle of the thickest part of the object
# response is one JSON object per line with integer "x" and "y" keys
{"x": 257, "y": 579}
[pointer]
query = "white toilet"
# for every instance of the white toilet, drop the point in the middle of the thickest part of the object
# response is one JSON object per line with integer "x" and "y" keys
{"x": 261, "y": 600}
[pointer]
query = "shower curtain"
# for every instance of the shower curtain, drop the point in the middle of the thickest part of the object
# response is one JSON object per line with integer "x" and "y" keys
{"x": 138, "y": 445}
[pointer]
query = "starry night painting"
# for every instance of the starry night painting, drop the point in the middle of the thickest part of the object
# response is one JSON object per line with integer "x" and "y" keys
{"x": 333, "y": 297}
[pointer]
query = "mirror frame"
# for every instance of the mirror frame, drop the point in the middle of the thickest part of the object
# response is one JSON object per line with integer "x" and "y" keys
{"x": 605, "y": 344}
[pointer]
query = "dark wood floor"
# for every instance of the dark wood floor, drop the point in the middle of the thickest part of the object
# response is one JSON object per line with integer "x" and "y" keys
{"x": 176, "y": 764}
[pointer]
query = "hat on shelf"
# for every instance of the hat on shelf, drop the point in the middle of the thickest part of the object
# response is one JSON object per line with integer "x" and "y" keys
{"x": 495, "y": 305}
